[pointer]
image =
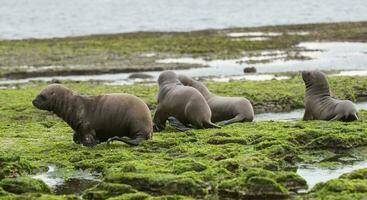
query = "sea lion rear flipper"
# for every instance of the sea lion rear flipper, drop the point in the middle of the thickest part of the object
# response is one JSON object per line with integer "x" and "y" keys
{"x": 355, "y": 116}
{"x": 351, "y": 117}
{"x": 211, "y": 125}
{"x": 177, "y": 124}
{"x": 237, "y": 118}
{"x": 337, "y": 117}
{"x": 133, "y": 142}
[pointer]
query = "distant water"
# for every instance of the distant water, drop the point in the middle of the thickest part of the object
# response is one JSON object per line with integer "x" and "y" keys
{"x": 51, "y": 18}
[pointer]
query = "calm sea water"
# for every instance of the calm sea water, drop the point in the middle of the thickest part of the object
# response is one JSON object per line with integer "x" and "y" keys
{"x": 52, "y": 18}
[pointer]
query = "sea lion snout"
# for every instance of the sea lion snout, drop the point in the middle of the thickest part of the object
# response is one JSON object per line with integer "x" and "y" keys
{"x": 40, "y": 102}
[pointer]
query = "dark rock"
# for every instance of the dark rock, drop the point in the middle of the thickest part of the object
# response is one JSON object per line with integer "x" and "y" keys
{"x": 249, "y": 70}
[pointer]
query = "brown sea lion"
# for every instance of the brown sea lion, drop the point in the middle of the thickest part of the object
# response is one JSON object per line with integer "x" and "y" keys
{"x": 100, "y": 118}
{"x": 319, "y": 105}
{"x": 184, "y": 103}
{"x": 225, "y": 110}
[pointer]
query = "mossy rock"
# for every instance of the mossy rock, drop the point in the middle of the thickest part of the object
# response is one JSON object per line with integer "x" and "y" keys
{"x": 263, "y": 186}
{"x": 291, "y": 181}
{"x": 12, "y": 166}
{"x": 255, "y": 183}
{"x": 341, "y": 141}
{"x": 342, "y": 185}
{"x": 132, "y": 196}
{"x": 2, "y": 191}
{"x": 24, "y": 184}
{"x": 107, "y": 190}
{"x": 356, "y": 174}
{"x": 180, "y": 166}
{"x": 160, "y": 183}
{"x": 226, "y": 140}
{"x": 171, "y": 197}
{"x": 5, "y": 157}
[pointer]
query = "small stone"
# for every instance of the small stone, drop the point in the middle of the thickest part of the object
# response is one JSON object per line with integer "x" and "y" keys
{"x": 249, "y": 70}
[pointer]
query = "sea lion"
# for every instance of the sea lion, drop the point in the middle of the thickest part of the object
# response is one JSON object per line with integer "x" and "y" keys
{"x": 99, "y": 118}
{"x": 184, "y": 103}
{"x": 319, "y": 105}
{"x": 225, "y": 110}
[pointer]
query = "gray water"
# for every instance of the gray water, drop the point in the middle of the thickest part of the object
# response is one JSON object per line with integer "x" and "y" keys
{"x": 77, "y": 182}
{"x": 314, "y": 175}
{"x": 46, "y": 18}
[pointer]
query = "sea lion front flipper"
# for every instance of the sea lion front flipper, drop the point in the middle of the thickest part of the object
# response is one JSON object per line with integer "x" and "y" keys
{"x": 159, "y": 120}
{"x": 307, "y": 115}
{"x": 133, "y": 142}
{"x": 177, "y": 124}
{"x": 350, "y": 118}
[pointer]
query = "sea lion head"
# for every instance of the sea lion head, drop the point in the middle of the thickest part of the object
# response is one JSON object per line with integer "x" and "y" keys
{"x": 314, "y": 78}
{"x": 185, "y": 80}
{"x": 46, "y": 100}
{"x": 167, "y": 77}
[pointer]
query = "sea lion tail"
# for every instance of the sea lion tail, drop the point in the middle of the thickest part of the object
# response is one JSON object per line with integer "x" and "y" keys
{"x": 211, "y": 125}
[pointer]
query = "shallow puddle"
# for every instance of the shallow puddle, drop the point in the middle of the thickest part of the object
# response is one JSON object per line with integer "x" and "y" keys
{"x": 314, "y": 175}
{"x": 77, "y": 182}
{"x": 348, "y": 56}
{"x": 325, "y": 56}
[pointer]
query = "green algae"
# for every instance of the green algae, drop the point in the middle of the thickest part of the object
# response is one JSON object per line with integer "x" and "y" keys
{"x": 160, "y": 183}
{"x": 253, "y": 184}
{"x": 23, "y": 185}
{"x": 11, "y": 166}
{"x": 132, "y": 196}
{"x": 107, "y": 190}
{"x": 239, "y": 160}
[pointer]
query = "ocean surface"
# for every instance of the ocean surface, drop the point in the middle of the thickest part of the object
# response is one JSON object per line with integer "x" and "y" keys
{"x": 51, "y": 18}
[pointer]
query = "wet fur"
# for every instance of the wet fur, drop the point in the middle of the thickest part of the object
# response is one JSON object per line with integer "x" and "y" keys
{"x": 96, "y": 119}
{"x": 225, "y": 110}
{"x": 184, "y": 103}
{"x": 319, "y": 105}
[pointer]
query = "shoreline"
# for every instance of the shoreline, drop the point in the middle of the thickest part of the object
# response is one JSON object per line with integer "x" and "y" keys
{"x": 139, "y": 51}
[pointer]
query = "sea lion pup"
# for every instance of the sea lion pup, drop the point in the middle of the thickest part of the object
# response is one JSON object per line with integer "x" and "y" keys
{"x": 100, "y": 118}
{"x": 319, "y": 105}
{"x": 225, "y": 110}
{"x": 184, "y": 103}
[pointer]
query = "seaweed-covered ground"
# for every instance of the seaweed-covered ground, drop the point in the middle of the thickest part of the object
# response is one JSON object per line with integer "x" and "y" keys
{"x": 131, "y": 52}
{"x": 241, "y": 161}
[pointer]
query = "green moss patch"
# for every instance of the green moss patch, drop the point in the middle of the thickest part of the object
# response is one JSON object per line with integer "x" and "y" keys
{"x": 23, "y": 185}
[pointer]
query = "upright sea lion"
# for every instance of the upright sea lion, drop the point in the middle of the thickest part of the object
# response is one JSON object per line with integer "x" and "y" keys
{"x": 184, "y": 103}
{"x": 319, "y": 105}
{"x": 100, "y": 118}
{"x": 225, "y": 110}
